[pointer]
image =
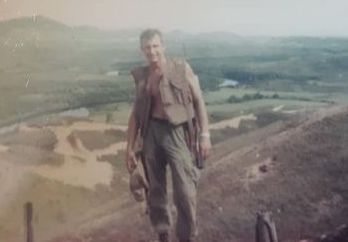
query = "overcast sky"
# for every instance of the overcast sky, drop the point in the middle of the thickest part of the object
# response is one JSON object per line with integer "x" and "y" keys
{"x": 245, "y": 17}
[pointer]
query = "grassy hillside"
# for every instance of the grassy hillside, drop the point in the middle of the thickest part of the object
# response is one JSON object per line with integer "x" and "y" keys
{"x": 47, "y": 66}
{"x": 297, "y": 170}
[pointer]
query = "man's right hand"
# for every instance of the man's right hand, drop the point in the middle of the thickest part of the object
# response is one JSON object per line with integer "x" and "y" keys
{"x": 131, "y": 161}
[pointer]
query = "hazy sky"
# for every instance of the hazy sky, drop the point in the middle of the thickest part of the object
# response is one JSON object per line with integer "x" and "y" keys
{"x": 245, "y": 17}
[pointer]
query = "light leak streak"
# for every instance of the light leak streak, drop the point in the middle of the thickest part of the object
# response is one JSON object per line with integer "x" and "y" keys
{"x": 27, "y": 84}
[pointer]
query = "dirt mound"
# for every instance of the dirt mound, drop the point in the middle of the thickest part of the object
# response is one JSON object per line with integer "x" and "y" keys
{"x": 300, "y": 174}
{"x": 30, "y": 146}
{"x": 18, "y": 154}
{"x": 298, "y": 171}
{"x": 40, "y": 138}
{"x": 95, "y": 139}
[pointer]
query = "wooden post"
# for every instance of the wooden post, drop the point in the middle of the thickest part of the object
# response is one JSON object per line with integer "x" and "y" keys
{"x": 265, "y": 228}
{"x": 28, "y": 213}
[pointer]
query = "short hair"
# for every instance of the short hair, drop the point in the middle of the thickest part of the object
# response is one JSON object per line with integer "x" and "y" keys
{"x": 149, "y": 34}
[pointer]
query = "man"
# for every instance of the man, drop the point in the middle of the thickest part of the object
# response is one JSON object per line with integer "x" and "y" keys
{"x": 168, "y": 102}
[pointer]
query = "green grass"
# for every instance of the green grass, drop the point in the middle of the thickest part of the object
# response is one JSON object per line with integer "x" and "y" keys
{"x": 116, "y": 113}
{"x": 220, "y": 96}
{"x": 247, "y": 107}
{"x": 67, "y": 73}
{"x": 49, "y": 92}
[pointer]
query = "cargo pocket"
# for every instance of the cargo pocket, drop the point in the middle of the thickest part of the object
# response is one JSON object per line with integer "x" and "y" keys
{"x": 178, "y": 93}
{"x": 166, "y": 94}
{"x": 178, "y": 90}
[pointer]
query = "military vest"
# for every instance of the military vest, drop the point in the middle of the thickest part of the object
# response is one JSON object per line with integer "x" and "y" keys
{"x": 175, "y": 94}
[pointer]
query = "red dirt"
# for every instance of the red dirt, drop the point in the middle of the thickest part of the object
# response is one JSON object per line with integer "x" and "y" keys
{"x": 304, "y": 184}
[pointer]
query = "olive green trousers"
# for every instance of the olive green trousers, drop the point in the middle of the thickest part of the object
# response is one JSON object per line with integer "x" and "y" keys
{"x": 165, "y": 144}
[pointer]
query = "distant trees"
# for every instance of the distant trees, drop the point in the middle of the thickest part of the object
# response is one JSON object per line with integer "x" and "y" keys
{"x": 94, "y": 93}
{"x": 258, "y": 96}
{"x": 249, "y": 97}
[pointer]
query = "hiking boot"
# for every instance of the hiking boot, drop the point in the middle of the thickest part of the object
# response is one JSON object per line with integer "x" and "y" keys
{"x": 163, "y": 237}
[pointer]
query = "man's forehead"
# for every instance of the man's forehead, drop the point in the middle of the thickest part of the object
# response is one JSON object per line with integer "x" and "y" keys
{"x": 156, "y": 39}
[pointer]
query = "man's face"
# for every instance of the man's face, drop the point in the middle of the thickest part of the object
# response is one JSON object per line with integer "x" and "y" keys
{"x": 153, "y": 49}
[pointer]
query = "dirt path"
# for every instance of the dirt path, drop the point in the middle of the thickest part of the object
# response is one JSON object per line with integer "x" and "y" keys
{"x": 232, "y": 123}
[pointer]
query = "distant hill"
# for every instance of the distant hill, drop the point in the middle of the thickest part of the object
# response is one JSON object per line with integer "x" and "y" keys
{"x": 36, "y": 22}
{"x": 41, "y": 28}
{"x": 41, "y": 39}
{"x": 33, "y": 28}
{"x": 49, "y": 29}
{"x": 45, "y": 28}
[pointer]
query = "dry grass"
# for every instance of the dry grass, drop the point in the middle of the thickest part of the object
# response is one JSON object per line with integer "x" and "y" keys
{"x": 94, "y": 139}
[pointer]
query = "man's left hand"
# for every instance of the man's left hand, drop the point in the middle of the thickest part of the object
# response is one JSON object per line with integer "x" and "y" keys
{"x": 204, "y": 147}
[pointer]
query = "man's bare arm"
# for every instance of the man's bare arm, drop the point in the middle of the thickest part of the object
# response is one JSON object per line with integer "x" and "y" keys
{"x": 200, "y": 110}
{"x": 198, "y": 100}
{"x": 131, "y": 137}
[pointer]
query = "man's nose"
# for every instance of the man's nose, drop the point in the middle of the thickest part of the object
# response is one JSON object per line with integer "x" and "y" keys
{"x": 152, "y": 50}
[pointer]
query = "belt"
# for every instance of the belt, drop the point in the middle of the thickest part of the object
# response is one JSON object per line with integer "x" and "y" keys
{"x": 167, "y": 122}
{"x": 160, "y": 120}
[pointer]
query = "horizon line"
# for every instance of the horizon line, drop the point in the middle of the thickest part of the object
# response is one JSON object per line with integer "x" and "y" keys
{"x": 343, "y": 36}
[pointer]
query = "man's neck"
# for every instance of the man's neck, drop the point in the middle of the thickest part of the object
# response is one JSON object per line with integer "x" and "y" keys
{"x": 159, "y": 64}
